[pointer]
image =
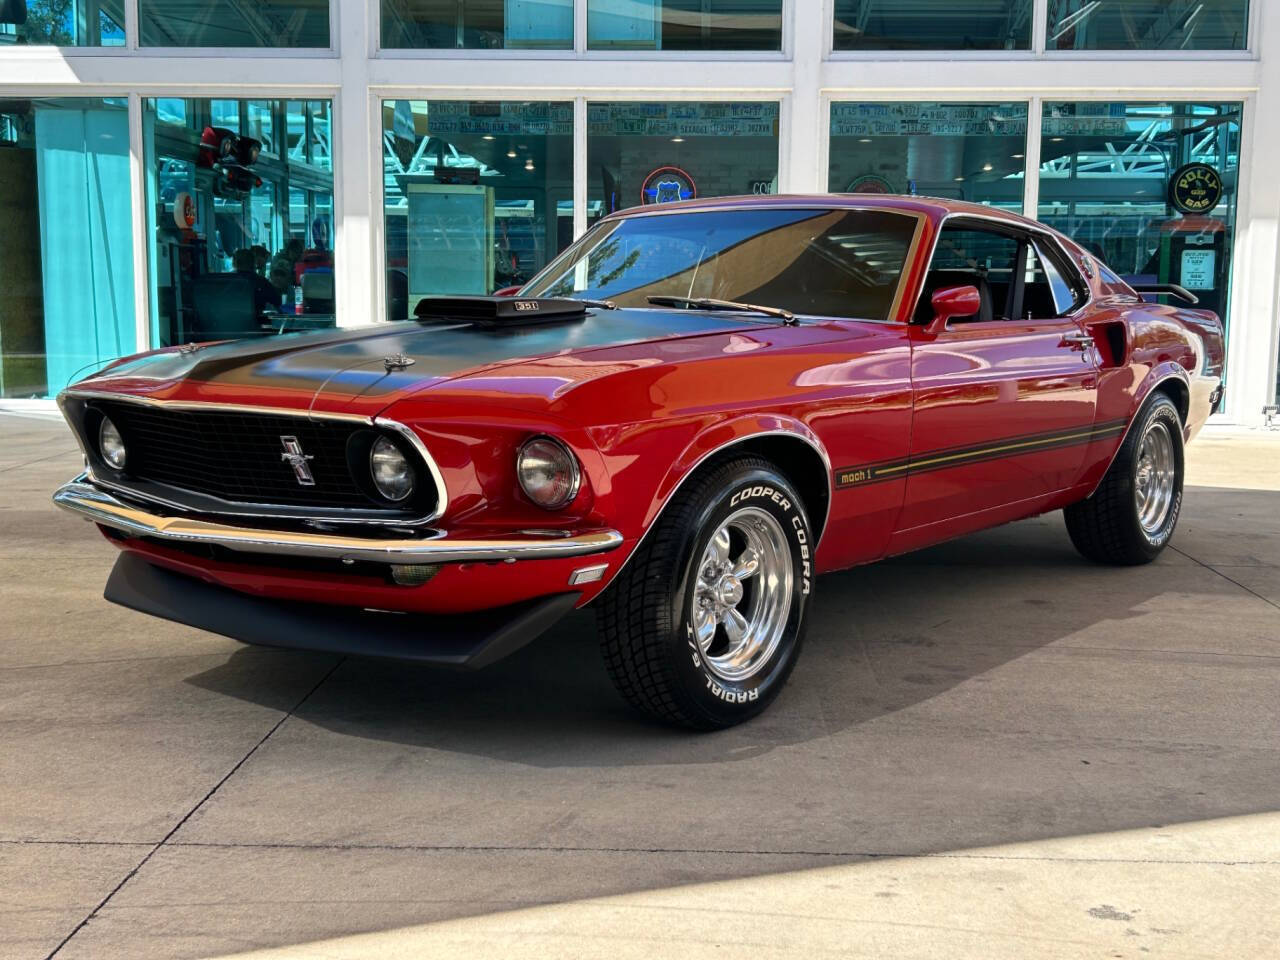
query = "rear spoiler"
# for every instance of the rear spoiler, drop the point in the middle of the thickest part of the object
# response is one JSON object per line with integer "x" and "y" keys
{"x": 1167, "y": 289}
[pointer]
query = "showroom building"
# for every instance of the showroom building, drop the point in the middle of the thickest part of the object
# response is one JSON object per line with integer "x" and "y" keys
{"x": 174, "y": 170}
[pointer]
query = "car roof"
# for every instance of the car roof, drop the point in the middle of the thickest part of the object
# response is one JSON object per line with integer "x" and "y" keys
{"x": 936, "y": 208}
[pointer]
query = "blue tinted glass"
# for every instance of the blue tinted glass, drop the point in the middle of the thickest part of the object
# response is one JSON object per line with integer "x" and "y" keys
{"x": 963, "y": 151}
{"x": 63, "y": 23}
{"x": 1109, "y": 180}
{"x": 241, "y": 245}
{"x": 66, "y": 304}
{"x": 684, "y": 25}
{"x": 659, "y": 152}
{"x": 478, "y": 24}
{"x": 933, "y": 25}
{"x": 231, "y": 23}
{"x": 1147, "y": 25}
{"x": 478, "y": 194}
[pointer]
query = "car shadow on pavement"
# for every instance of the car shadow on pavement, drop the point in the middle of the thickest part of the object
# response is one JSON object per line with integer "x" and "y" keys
{"x": 881, "y": 639}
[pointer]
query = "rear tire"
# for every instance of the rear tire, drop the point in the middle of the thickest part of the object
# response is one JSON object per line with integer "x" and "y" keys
{"x": 704, "y": 623}
{"x": 1132, "y": 515}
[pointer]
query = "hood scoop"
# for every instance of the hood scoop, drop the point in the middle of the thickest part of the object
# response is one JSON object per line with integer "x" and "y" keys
{"x": 499, "y": 311}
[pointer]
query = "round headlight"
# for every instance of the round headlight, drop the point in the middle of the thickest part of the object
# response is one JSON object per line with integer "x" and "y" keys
{"x": 548, "y": 473}
{"x": 391, "y": 470}
{"x": 111, "y": 444}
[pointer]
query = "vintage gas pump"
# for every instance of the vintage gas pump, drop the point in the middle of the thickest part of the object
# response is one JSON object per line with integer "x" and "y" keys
{"x": 1193, "y": 246}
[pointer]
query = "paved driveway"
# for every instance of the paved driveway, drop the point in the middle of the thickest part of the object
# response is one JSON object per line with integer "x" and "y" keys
{"x": 989, "y": 748}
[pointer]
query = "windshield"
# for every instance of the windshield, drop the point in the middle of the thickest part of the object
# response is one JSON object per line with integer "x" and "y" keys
{"x": 830, "y": 263}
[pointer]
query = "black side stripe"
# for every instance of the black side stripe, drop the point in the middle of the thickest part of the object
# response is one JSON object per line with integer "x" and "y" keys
{"x": 945, "y": 458}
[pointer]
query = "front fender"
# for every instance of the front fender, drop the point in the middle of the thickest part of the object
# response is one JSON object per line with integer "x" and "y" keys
{"x": 723, "y": 436}
{"x": 708, "y": 441}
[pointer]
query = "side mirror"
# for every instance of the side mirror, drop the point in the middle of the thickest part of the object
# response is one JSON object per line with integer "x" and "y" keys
{"x": 951, "y": 302}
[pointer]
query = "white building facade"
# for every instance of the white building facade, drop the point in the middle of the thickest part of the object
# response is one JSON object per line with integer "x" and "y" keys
{"x": 180, "y": 169}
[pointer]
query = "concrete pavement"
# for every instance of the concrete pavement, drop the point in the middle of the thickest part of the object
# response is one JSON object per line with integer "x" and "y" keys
{"x": 988, "y": 749}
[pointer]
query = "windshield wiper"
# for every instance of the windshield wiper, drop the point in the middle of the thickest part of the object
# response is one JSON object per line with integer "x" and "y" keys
{"x": 708, "y": 303}
{"x": 601, "y": 304}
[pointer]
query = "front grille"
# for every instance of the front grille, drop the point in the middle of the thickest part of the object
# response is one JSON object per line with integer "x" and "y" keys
{"x": 237, "y": 456}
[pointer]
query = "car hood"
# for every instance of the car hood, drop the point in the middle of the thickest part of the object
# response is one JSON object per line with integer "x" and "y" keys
{"x": 362, "y": 370}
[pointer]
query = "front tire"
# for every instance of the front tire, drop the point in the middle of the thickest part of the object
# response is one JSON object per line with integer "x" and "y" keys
{"x": 1132, "y": 515}
{"x": 705, "y": 622}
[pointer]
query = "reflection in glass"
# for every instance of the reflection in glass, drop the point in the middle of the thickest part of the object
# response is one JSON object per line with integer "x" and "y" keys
{"x": 477, "y": 24}
{"x": 1106, "y": 180}
{"x": 933, "y": 25}
{"x": 232, "y": 23}
{"x": 642, "y": 153}
{"x": 479, "y": 194}
{"x": 62, "y": 23}
{"x": 229, "y": 258}
{"x": 66, "y": 301}
{"x": 835, "y": 263}
{"x": 1147, "y": 25}
{"x": 684, "y": 25}
{"x": 964, "y": 151}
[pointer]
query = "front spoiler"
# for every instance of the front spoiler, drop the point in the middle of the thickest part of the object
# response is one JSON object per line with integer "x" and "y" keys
{"x": 461, "y": 641}
{"x": 81, "y": 497}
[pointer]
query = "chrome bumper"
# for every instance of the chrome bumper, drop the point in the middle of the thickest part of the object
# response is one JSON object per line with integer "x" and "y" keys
{"x": 88, "y": 501}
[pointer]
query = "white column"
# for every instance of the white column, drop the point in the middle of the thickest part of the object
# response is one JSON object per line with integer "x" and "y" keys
{"x": 1255, "y": 295}
{"x": 1031, "y": 182}
{"x": 580, "y": 173}
{"x": 802, "y": 164}
{"x": 141, "y": 233}
{"x": 358, "y": 277}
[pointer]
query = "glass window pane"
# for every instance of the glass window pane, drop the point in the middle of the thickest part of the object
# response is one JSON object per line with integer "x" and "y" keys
{"x": 834, "y": 263}
{"x": 229, "y": 23}
{"x": 1108, "y": 181}
{"x": 1062, "y": 293}
{"x": 1147, "y": 25}
{"x": 63, "y": 23}
{"x": 318, "y": 151}
{"x": 964, "y": 151}
{"x": 478, "y": 24}
{"x": 225, "y": 114}
{"x": 933, "y": 25}
{"x": 640, "y": 153}
{"x": 479, "y": 195}
{"x": 66, "y": 303}
{"x": 262, "y": 125}
{"x": 684, "y": 24}
{"x": 229, "y": 258}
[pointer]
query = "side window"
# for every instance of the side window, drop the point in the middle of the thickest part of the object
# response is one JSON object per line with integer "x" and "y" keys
{"x": 1048, "y": 293}
{"x": 971, "y": 256}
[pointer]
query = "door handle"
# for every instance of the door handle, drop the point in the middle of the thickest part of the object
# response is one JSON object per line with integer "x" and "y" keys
{"x": 1078, "y": 341}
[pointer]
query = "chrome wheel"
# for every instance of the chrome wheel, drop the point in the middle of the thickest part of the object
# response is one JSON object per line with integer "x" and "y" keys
{"x": 743, "y": 594}
{"x": 1154, "y": 478}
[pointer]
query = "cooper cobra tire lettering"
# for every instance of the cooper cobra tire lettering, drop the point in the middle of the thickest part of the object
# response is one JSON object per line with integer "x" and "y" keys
{"x": 649, "y": 637}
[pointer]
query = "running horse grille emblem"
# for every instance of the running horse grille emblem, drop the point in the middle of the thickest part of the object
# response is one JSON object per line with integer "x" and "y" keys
{"x": 294, "y": 456}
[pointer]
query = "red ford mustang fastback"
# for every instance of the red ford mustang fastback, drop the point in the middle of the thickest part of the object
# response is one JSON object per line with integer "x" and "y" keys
{"x": 683, "y": 420}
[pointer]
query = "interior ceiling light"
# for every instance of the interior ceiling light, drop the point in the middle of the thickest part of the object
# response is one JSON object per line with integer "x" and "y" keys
{"x": 487, "y": 136}
{"x": 677, "y": 139}
{"x": 987, "y": 168}
{"x": 511, "y": 154}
